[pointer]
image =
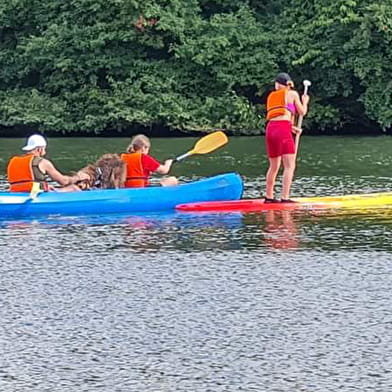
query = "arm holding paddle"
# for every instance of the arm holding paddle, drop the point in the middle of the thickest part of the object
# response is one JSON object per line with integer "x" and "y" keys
{"x": 165, "y": 168}
{"x": 302, "y": 108}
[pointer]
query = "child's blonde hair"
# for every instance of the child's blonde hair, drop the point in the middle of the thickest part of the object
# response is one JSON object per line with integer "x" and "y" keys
{"x": 138, "y": 142}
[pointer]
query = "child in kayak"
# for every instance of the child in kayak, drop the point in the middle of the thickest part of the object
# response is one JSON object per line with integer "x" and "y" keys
{"x": 140, "y": 164}
{"x": 282, "y": 106}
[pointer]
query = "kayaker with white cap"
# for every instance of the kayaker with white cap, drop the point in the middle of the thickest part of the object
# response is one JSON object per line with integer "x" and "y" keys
{"x": 24, "y": 170}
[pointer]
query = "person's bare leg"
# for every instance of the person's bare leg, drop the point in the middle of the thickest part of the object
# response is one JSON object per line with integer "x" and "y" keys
{"x": 274, "y": 165}
{"x": 288, "y": 161}
{"x": 169, "y": 181}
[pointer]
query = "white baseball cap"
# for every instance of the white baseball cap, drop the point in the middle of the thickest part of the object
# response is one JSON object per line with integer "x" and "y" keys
{"x": 34, "y": 141}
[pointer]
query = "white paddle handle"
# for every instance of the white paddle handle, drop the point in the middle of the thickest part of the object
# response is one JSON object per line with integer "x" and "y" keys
{"x": 307, "y": 84}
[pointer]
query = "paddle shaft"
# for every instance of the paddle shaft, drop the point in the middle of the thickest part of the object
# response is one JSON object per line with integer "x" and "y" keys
{"x": 183, "y": 156}
{"x": 300, "y": 119}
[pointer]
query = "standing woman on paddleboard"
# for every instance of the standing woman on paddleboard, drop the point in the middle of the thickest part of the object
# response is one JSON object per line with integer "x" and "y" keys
{"x": 282, "y": 106}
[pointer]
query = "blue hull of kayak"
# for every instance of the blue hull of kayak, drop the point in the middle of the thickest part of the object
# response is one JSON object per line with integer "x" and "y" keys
{"x": 227, "y": 186}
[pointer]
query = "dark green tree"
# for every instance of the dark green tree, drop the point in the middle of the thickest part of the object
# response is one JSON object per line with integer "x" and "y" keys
{"x": 195, "y": 65}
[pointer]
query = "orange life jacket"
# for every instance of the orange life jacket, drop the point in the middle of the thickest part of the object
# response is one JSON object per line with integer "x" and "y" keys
{"x": 135, "y": 173}
{"x": 21, "y": 175}
{"x": 277, "y": 103}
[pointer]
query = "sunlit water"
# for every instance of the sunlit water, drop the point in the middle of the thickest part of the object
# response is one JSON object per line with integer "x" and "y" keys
{"x": 273, "y": 301}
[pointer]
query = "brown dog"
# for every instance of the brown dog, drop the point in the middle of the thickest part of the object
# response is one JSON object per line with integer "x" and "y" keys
{"x": 108, "y": 172}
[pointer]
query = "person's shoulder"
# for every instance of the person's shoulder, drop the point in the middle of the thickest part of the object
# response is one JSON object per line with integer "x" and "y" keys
{"x": 45, "y": 162}
{"x": 150, "y": 162}
{"x": 147, "y": 157}
{"x": 293, "y": 93}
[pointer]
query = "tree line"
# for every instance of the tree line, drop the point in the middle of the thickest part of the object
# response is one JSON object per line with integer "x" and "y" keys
{"x": 93, "y": 66}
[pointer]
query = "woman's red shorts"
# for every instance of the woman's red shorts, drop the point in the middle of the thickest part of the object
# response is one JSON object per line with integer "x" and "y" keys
{"x": 279, "y": 139}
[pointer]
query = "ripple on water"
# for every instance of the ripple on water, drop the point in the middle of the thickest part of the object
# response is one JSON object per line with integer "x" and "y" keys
{"x": 196, "y": 321}
{"x": 280, "y": 301}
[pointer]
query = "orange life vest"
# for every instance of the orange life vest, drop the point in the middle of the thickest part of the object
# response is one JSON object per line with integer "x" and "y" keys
{"x": 21, "y": 175}
{"x": 277, "y": 103}
{"x": 135, "y": 173}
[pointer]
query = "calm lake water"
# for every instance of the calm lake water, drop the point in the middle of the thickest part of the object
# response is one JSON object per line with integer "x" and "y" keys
{"x": 273, "y": 301}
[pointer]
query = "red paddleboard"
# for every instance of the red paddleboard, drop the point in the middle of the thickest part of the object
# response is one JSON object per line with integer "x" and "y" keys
{"x": 245, "y": 205}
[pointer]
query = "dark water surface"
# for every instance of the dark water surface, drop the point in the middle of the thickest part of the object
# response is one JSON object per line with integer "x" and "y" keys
{"x": 273, "y": 301}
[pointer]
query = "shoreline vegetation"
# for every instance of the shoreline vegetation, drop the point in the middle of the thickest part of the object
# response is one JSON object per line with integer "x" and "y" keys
{"x": 117, "y": 68}
{"x": 22, "y": 132}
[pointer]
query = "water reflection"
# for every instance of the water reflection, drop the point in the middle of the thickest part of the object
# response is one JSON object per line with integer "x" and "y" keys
{"x": 281, "y": 230}
{"x": 189, "y": 232}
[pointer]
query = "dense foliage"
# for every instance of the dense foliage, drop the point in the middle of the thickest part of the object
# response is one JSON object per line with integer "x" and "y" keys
{"x": 194, "y": 65}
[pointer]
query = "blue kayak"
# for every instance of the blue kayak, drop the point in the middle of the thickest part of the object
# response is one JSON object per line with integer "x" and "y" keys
{"x": 227, "y": 186}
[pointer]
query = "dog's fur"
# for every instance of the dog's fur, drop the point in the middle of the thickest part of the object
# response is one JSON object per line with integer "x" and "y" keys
{"x": 108, "y": 172}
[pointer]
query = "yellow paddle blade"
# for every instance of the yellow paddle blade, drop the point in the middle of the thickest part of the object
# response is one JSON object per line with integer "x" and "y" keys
{"x": 210, "y": 143}
{"x": 36, "y": 188}
{"x": 206, "y": 144}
